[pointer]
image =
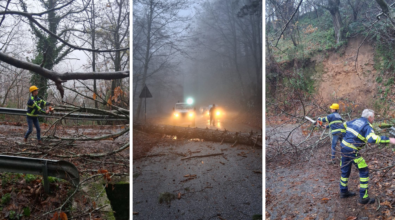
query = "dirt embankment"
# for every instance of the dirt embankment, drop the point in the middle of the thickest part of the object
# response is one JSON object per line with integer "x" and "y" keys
{"x": 342, "y": 79}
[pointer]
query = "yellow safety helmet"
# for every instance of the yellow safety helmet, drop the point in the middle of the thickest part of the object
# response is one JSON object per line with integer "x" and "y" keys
{"x": 334, "y": 106}
{"x": 32, "y": 89}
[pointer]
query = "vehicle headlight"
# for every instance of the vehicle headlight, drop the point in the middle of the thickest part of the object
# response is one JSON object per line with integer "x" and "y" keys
{"x": 176, "y": 114}
{"x": 190, "y": 114}
{"x": 218, "y": 113}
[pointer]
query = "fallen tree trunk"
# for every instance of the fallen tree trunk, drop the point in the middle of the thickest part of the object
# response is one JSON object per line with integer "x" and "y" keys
{"x": 201, "y": 133}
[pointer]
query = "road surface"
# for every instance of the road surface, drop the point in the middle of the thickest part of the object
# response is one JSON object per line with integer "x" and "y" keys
{"x": 203, "y": 121}
{"x": 227, "y": 186}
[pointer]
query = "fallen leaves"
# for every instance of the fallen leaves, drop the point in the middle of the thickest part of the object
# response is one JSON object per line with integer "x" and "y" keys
{"x": 60, "y": 216}
{"x": 179, "y": 196}
{"x": 189, "y": 177}
{"x": 106, "y": 176}
{"x": 351, "y": 218}
{"x": 242, "y": 154}
{"x": 325, "y": 200}
{"x": 387, "y": 213}
{"x": 387, "y": 203}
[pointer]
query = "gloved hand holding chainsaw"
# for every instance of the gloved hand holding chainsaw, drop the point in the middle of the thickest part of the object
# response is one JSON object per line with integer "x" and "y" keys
{"x": 335, "y": 123}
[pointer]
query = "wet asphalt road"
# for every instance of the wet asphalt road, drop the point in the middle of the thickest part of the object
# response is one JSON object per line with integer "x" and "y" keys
{"x": 224, "y": 187}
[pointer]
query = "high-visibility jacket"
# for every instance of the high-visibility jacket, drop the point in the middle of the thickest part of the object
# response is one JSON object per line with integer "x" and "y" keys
{"x": 359, "y": 132}
{"x": 35, "y": 105}
{"x": 335, "y": 122}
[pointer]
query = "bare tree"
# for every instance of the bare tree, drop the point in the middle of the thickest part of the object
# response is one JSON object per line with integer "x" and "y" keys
{"x": 48, "y": 36}
{"x": 160, "y": 26}
{"x": 114, "y": 32}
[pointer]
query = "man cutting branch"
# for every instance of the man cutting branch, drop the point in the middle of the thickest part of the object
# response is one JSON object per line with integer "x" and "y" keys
{"x": 336, "y": 124}
{"x": 34, "y": 107}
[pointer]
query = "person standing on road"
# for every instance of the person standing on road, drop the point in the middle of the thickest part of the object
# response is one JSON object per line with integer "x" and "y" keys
{"x": 358, "y": 133}
{"x": 34, "y": 107}
{"x": 336, "y": 124}
{"x": 212, "y": 116}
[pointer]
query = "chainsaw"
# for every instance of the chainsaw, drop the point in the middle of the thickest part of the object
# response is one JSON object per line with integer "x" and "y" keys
{"x": 391, "y": 128}
{"x": 51, "y": 110}
{"x": 314, "y": 122}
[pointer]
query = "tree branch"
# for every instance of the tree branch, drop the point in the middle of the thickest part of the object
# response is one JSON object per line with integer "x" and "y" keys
{"x": 286, "y": 25}
{"x": 30, "y": 17}
{"x": 58, "y": 78}
{"x": 6, "y": 7}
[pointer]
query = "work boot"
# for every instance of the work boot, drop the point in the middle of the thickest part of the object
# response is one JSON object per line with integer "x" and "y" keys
{"x": 40, "y": 142}
{"x": 347, "y": 194}
{"x": 25, "y": 140}
{"x": 366, "y": 200}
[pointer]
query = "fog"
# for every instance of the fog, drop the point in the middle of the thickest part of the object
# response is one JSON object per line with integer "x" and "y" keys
{"x": 210, "y": 51}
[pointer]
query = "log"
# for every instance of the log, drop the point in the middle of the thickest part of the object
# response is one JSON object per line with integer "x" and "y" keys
{"x": 207, "y": 155}
{"x": 201, "y": 133}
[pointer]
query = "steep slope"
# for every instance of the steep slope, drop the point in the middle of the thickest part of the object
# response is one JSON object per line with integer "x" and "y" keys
{"x": 341, "y": 80}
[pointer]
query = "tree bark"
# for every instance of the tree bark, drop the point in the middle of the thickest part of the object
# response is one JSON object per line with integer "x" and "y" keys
{"x": 333, "y": 8}
{"x": 205, "y": 134}
{"x": 93, "y": 47}
{"x": 337, "y": 25}
{"x": 58, "y": 78}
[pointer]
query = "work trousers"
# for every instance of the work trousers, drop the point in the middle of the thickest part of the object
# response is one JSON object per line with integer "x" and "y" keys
{"x": 349, "y": 157}
{"x": 336, "y": 138}
{"x": 30, "y": 122}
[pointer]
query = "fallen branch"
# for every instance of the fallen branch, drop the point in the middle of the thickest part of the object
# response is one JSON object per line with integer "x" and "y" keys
{"x": 205, "y": 134}
{"x": 155, "y": 155}
{"x": 207, "y": 155}
{"x": 58, "y": 78}
{"x": 94, "y": 138}
{"x": 96, "y": 155}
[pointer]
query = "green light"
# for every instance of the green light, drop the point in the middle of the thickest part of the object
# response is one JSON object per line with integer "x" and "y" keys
{"x": 189, "y": 101}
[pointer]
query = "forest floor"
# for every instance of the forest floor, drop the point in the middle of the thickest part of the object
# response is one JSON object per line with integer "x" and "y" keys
{"x": 304, "y": 186}
{"x": 22, "y": 196}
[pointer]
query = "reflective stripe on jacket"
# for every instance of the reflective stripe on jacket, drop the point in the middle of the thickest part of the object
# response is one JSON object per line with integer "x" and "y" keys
{"x": 34, "y": 106}
{"x": 359, "y": 132}
{"x": 335, "y": 122}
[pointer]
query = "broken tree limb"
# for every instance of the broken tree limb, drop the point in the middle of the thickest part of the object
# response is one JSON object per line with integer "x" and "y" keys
{"x": 94, "y": 138}
{"x": 57, "y": 77}
{"x": 207, "y": 155}
{"x": 201, "y": 133}
{"x": 97, "y": 155}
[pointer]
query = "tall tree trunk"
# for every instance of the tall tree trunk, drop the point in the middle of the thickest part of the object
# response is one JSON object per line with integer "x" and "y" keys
{"x": 337, "y": 25}
{"x": 93, "y": 47}
{"x": 117, "y": 60}
{"x": 147, "y": 57}
{"x": 333, "y": 8}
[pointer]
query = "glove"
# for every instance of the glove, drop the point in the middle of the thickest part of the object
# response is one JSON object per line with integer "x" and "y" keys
{"x": 392, "y": 140}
